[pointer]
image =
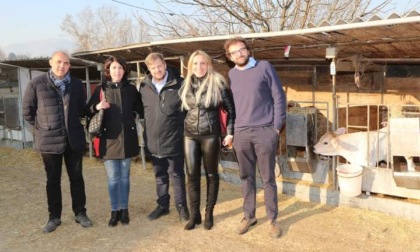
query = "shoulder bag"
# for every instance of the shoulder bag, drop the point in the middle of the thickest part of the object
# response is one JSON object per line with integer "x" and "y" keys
{"x": 95, "y": 123}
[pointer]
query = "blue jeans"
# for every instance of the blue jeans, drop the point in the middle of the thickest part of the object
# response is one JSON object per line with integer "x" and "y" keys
{"x": 118, "y": 172}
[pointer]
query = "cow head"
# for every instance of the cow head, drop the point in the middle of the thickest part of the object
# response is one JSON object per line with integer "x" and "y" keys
{"x": 328, "y": 143}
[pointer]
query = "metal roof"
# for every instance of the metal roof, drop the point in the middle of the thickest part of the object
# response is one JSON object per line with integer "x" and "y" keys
{"x": 78, "y": 66}
{"x": 391, "y": 40}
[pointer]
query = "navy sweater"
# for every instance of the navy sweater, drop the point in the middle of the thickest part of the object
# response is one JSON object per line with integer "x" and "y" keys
{"x": 259, "y": 97}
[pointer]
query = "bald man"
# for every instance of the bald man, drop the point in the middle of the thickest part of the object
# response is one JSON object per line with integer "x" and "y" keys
{"x": 54, "y": 103}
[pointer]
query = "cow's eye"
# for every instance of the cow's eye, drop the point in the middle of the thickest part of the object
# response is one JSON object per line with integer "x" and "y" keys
{"x": 325, "y": 143}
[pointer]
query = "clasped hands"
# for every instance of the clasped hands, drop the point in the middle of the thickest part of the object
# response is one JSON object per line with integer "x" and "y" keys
{"x": 227, "y": 141}
{"x": 102, "y": 105}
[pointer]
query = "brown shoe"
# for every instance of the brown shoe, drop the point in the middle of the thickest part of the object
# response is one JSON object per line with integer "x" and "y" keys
{"x": 275, "y": 230}
{"x": 245, "y": 224}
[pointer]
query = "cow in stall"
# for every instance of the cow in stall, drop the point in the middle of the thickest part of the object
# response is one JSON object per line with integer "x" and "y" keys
{"x": 354, "y": 147}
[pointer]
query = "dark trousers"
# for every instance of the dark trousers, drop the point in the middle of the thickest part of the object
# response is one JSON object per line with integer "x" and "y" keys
{"x": 165, "y": 168}
{"x": 257, "y": 146}
{"x": 202, "y": 148}
{"x": 53, "y": 166}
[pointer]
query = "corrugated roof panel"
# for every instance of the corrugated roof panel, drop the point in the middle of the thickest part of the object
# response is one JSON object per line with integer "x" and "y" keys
{"x": 394, "y": 15}
{"x": 375, "y": 18}
{"x": 324, "y": 23}
{"x": 413, "y": 14}
{"x": 311, "y": 25}
{"x": 341, "y": 22}
{"x": 357, "y": 20}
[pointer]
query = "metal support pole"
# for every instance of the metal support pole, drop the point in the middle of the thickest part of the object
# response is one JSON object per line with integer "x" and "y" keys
{"x": 334, "y": 119}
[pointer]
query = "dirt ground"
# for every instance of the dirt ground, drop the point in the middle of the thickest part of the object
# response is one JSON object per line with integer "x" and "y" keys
{"x": 306, "y": 226}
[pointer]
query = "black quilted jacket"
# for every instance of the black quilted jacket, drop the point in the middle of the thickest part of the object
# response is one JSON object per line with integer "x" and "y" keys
{"x": 55, "y": 117}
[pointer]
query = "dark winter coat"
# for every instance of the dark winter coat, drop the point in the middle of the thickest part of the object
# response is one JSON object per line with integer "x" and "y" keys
{"x": 55, "y": 118}
{"x": 200, "y": 120}
{"x": 163, "y": 117}
{"x": 119, "y": 139}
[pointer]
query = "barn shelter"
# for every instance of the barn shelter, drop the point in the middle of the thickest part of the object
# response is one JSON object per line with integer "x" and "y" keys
{"x": 14, "y": 77}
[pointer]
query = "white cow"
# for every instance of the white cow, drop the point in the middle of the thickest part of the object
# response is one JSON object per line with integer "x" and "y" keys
{"x": 354, "y": 147}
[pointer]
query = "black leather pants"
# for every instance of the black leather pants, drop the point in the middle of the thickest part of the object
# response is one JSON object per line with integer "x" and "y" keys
{"x": 202, "y": 147}
{"x": 207, "y": 149}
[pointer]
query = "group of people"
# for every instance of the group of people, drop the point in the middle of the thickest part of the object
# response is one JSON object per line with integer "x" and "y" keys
{"x": 181, "y": 131}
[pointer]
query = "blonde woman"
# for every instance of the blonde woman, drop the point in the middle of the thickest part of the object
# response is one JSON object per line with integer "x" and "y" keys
{"x": 202, "y": 93}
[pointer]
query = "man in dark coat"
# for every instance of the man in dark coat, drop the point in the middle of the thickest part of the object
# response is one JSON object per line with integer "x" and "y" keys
{"x": 164, "y": 134}
{"x": 54, "y": 104}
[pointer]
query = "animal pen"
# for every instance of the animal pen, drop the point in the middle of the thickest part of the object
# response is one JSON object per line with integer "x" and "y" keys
{"x": 358, "y": 110}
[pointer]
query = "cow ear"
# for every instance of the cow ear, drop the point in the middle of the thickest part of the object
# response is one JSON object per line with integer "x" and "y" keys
{"x": 340, "y": 131}
{"x": 334, "y": 143}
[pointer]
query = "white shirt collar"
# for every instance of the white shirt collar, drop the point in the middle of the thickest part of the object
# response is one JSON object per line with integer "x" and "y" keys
{"x": 159, "y": 85}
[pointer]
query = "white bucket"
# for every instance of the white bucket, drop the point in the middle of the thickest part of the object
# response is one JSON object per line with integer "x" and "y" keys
{"x": 350, "y": 179}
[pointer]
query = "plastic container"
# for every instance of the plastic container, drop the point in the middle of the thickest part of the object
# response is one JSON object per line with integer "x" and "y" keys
{"x": 350, "y": 179}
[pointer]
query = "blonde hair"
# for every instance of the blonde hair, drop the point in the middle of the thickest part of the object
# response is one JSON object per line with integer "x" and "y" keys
{"x": 152, "y": 57}
{"x": 213, "y": 83}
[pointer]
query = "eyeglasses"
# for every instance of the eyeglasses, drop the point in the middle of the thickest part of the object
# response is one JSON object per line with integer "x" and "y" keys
{"x": 238, "y": 52}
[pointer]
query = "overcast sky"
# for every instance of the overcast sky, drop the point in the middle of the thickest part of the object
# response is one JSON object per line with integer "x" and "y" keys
{"x": 25, "y": 21}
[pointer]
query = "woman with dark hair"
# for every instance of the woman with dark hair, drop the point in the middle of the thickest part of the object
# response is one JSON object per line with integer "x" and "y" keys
{"x": 119, "y": 141}
{"x": 202, "y": 94}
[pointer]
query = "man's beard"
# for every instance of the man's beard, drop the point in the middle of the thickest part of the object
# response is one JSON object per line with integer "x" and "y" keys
{"x": 243, "y": 64}
{"x": 160, "y": 78}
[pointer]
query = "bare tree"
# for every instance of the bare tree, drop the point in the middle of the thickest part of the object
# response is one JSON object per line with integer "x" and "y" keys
{"x": 218, "y": 17}
{"x": 12, "y": 56}
{"x": 103, "y": 28}
{"x": 2, "y": 54}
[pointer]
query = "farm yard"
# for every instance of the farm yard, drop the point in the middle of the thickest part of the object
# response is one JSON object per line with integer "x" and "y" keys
{"x": 356, "y": 75}
{"x": 306, "y": 226}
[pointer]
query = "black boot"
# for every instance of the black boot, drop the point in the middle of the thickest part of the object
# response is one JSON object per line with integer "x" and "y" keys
{"x": 184, "y": 214}
{"x": 124, "y": 217}
{"x": 212, "y": 192}
{"x": 194, "y": 195}
{"x": 114, "y": 219}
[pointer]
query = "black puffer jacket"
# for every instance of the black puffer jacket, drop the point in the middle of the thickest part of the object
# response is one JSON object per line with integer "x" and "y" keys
{"x": 55, "y": 117}
{"x": 163, "y": 117}
{"x": 119, "y": 139}
{"x": 205, "y": 121}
